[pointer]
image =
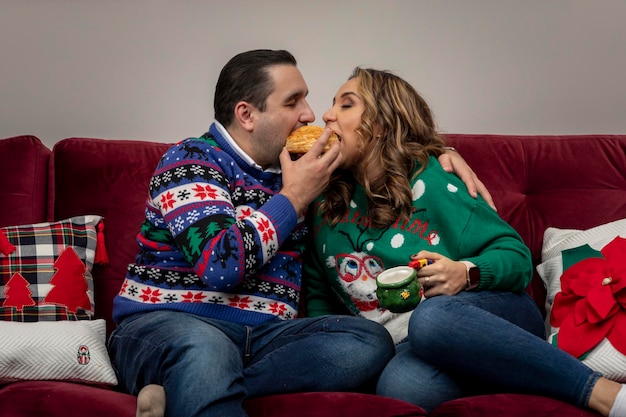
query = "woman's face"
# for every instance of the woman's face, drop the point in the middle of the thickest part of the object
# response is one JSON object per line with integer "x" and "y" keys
{"x": 343, "y": 118}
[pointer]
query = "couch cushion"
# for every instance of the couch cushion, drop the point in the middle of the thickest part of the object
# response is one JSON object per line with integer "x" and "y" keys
{"x": 63, "y": 399}
{"x": 509, "y": 405}
{"x": 108, "y": 178}
{"x": 330, "y": 404}
{"x": 24, "y": 179}
{"x": 537, "y": 182}
{"x": 572, "y": 182}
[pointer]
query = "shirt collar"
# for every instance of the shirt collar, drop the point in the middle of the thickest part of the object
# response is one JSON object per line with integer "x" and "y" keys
{"x": 247, "y": 159}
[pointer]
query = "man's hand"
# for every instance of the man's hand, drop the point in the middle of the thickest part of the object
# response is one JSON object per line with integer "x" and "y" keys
{"x": 452, "y": 161}
{"x": 305, "y": 178}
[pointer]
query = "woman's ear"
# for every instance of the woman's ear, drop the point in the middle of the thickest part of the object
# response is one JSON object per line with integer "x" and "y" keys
{"x": 245, "y": 115}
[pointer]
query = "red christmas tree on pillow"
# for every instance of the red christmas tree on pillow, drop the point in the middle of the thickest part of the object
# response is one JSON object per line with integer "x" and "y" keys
{"x": 70, "y": 286}
{"x": 17, "y": 293}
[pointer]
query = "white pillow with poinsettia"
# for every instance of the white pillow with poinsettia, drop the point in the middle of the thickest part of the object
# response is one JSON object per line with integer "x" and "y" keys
{"x": 585, "y": 276}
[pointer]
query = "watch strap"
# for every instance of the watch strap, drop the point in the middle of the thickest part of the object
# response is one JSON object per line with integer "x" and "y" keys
{"x": 472, "y": 276}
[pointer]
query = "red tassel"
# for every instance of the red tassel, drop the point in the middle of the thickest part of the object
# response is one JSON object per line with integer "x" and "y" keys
{"x": 6, "y": 247}
{"x": 102, "y": 257}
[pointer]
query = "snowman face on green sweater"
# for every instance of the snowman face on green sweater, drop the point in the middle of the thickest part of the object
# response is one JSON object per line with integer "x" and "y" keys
{"x": 357, "y": 272}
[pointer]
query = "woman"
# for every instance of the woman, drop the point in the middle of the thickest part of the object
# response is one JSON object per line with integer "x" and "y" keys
{"x": 477, "y": 331}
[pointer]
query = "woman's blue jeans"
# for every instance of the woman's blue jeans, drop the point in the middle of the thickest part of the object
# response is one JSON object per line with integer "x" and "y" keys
{"x": 208, "y": 367}
{"x": 477, "y": 343}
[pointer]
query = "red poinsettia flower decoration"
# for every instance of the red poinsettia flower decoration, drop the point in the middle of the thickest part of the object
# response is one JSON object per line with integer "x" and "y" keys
{"x": 592, "y": 303}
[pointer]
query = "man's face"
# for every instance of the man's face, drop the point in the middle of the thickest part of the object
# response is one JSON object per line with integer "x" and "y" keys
{"x": 286, "y": 109}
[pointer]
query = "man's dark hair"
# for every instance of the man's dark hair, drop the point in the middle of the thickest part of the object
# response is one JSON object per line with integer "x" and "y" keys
{"x": 245, "y": 78}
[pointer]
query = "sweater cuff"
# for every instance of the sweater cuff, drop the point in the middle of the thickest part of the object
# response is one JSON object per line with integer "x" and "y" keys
{"x": 282, "y": 214}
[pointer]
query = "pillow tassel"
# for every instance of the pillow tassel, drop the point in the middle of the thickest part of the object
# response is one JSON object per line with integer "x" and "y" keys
{"x": 101, "y": 257}
{"x": 6, "y": 247}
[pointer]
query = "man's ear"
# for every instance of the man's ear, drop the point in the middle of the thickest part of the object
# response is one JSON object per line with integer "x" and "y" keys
{"x": 244, "y": 113}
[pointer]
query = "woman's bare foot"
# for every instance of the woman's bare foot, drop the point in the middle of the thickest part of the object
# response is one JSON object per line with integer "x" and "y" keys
{"x": 151, "y": 401}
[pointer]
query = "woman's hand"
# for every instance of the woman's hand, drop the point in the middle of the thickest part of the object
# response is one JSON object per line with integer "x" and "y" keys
{"x": 451, "y": 161}
{"x": 443, "y": 277}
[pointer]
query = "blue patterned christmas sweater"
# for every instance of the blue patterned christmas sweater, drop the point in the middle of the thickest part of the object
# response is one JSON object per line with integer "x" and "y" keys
{"x": 217, "y": 241}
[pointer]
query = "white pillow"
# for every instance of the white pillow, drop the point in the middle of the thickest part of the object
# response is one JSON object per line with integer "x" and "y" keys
{"x": 60, "y": 350}
{"x": 557, "y": 240}
{"x": 604, "y": 357}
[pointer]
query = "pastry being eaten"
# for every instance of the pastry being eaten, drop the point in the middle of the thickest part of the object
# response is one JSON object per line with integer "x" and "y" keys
{"x": 300, "y": 140}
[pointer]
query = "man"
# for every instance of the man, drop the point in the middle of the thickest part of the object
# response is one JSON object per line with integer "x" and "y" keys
{"x": 205, "y": 311}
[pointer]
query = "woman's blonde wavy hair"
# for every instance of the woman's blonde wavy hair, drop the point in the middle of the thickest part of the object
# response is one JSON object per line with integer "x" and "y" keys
{"x": 398, "y": 129}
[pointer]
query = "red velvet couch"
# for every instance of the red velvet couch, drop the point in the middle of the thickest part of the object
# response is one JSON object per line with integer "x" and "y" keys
{"x": 536, "y": 181}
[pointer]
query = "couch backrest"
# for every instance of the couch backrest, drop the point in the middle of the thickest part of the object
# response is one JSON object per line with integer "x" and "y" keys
{"x": 537, "y": 182}
{"x": 23, "y": 180}
{"x": 108, "y": 178}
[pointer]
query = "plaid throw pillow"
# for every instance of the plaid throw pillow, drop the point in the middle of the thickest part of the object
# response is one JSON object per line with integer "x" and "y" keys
{"x": 45, "y": 269}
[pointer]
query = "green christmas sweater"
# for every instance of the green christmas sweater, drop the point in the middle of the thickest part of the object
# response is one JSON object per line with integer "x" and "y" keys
{"x": 342, "y": 262}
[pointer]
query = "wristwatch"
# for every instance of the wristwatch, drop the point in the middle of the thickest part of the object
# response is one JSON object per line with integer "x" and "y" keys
{"x": 473, "y": 277}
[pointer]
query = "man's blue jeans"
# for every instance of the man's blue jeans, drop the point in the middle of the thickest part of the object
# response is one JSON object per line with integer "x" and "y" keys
{"x": 481, "y": 342}
{"x": 208, "y": 367}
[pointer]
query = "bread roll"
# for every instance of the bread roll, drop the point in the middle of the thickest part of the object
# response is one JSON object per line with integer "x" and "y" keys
{"x": 300, "y": 140}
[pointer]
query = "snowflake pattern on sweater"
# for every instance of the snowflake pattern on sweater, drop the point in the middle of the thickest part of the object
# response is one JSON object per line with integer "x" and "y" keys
{"x": 218, "y": 240}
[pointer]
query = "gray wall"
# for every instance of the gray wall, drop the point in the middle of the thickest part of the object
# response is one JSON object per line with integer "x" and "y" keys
{"x": 145, "y": 69}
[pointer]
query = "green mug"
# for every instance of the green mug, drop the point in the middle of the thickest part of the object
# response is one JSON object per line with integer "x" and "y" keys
{"x": 398, "y": 289}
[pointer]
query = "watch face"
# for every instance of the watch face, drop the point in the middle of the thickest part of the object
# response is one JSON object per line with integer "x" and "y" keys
{"x": 474, "y": 276}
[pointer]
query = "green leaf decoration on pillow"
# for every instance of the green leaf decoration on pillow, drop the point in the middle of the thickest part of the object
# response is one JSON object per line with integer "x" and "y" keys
{"x": 580, "y": 253}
